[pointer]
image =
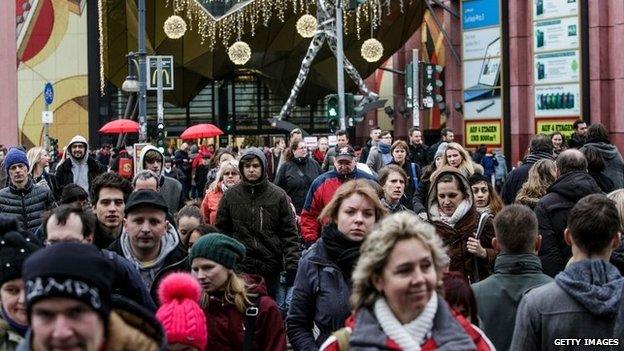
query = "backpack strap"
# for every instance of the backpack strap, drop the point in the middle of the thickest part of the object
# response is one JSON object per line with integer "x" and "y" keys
{"x": 251, "y": 314}
{"x": 342, "y": 337}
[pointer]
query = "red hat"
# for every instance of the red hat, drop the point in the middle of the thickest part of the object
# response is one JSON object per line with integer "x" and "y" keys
{"x": 179, "y": 312}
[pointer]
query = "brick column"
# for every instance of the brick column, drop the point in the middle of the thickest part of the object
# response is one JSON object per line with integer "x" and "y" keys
{"x": 453, "y": 72}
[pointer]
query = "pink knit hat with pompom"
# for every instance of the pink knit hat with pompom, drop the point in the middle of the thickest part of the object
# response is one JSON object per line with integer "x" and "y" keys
{"x": 179, "y": 312}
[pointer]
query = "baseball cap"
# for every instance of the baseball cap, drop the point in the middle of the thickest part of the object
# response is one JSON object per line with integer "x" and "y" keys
{"x": 345, "y": 153}
{"x": 145, "y": 198}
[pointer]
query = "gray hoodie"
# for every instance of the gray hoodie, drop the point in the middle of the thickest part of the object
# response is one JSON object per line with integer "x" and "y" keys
{"x": 80, "y": 168}
{"x": 168, "y": 243}
{"x": 581, "y": 304}
{"x": 168, "y": 187}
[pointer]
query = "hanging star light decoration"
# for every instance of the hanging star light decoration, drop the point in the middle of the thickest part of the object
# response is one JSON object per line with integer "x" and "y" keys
{"x": 306, "y": 26}
{"x": 174, "y": 27}
{"x": 372, "y": 50}
{"x": 239, "y": 53}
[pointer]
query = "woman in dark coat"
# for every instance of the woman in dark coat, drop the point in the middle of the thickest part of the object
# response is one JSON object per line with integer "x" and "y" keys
{"x": 466, "y": 233}
{"x": 400, "y": 152}
{"x": 323, "y": 285}
{"x": 297, "y": 174}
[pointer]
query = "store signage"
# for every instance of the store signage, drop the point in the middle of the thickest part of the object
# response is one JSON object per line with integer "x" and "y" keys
{"x": 544, "y": 9}
{"x": 556, "y": 34}
{"x": 549, "y": 126}
{"x": 557, "y": 67}
{"x": 483, "y": 132}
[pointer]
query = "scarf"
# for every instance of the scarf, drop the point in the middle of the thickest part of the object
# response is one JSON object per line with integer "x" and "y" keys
{"x": 341, "y": 250}
{"x": 595, "y": 284}
{"x": 17, "y": 327}
{"x": 411, "y": 335}
{"x": 536, "y": 156}
{"x": 383, "y": 148}
{"x": 391, "y": 207}
{"x": 459, "y": 213}
{"x": 485, "y": 209}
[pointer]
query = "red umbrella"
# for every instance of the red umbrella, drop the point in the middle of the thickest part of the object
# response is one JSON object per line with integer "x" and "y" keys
{"x": 203, "y": 130}
{"x": 119, "y": 126}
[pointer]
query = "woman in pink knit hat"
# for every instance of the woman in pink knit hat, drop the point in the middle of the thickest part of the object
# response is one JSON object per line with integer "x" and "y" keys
{"x": 182, "y": 318}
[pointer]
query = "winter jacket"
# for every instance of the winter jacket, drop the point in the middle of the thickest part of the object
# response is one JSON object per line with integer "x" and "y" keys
{"x": 295, "y": 177}
{"x": 259, "y": 216}
{"x": 552, "y": 216}
{"x": 102, "y": 238}
{"x": 576, "y": 141}
{"x": 127, "y": 281}
{"x": 605, "y": 183}
{"x": 581, "y": 303}
{"x": 27, "y": 204}
{"x": 64, "y": 174}
{"x": 4, "y": 177}
{"x": 320, "y": 193}
{"x": 419, "y": 154}
{"x": 501, "y": 167}
{"x": 318, "y": 156}
{"x": 210, "y": 204}
{"x": 169, "y": 188}
{"x": 328, "y": 163}
{"x": 226, "y": 325}
{"x": 9, "y": 338}
{"x": 172, "y": 258}
{"x": 499, "y": 295}
{"x": 450, "y": 331}
{"x": 175, "y": 174}
{"x": 320, "y": 298}
{"x": 455, "y": 238}
{"x": 377, "y": 160}
{"x": 517, "y": 177}
{"x": 489, "y": 164}
{"x": 410, "y": 185}
{"x": 613, "y": 161}
{"x": 130, "y": 327}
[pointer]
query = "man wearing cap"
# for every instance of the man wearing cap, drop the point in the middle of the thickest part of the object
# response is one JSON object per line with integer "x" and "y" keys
{"x": 172, "y": 190}
{"x": 342, "y": 140}
{"x": 258, "y": 214}
{"x": 69, "y": 304}
{"x": 323, "y": 189}
{"x": 78, "y": 167}
{"x": 23, "y": 199}
{"x": 148, "y": 240}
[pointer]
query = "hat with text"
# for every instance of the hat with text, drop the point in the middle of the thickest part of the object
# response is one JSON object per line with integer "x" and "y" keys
{"x": 345, "y": 153}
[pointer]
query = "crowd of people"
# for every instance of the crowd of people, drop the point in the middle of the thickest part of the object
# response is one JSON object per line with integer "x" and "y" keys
{"x": 396, "y": 245}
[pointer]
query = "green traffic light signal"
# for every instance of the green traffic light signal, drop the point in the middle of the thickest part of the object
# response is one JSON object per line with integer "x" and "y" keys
{"x": 332, "y": 111}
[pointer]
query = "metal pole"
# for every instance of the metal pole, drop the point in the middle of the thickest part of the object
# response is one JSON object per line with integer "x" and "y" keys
{"x": 46, "y": 130}
{"x": 415, "y": 90}
{"x": 159, "y": 92}
{"x": 142, "y": 75}
{"x": 340, "y": 66}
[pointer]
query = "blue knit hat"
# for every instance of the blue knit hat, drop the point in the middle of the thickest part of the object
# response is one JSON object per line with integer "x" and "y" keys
{"x": 15, "y": 156}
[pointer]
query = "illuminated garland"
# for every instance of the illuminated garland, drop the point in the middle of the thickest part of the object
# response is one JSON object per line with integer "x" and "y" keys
{"x": 372, "y": 50}
{"x": 174, "y": 27}
{"x": 306, "y": 26}
{"x": 100, "y": 6}
{"x": 239, "y": 53}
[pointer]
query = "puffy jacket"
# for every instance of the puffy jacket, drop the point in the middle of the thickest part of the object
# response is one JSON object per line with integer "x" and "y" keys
{"x": 27, "y": 204}
{"x": 226, "y": 325}
{"x": 259, "y": 216}
{"x": 64, "y": 174}
{"x": 295, "y": 177}
{"x": 614, "y": 163}
{"x": 210, "y": 204}
{"x": 320, "y": 193}
{"x": 320, "y": 298}
{"x": 450, "y": 331}
{"x": 552, "y": 216}
{"x": 455, "y": 238}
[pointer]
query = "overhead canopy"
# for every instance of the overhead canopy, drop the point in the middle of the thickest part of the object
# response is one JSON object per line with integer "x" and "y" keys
{"x": 277, "y": 49}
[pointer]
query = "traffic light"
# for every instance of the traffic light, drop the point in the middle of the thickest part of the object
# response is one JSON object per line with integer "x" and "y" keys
{"x": 409, "y": 85}
{"x": 160, "y": 137}
{"x": 332, "y": 112}
{"x": 431, "y": 84}
{"x": 229, "y": 128}
{"x": 353, "y": 4}
{"x": 53, "y": 150}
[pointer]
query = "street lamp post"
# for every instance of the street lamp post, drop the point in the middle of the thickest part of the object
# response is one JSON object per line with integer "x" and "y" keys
{"x": 141, "y": 75}
{"x": 340, "y": 67}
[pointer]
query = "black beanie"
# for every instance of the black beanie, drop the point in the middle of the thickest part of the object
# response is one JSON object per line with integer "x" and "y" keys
{"x": 72, "y": 270}
{"x": 15, "y": 247}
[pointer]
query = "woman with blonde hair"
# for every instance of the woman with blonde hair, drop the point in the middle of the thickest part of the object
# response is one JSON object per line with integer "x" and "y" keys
{"x": 397, "y": 294}
{"x": 323, "y": 283}
{"x": 38, "y": 162}
{"x": 227, "y": 176}
{"x": 456, "y": 156}
{"x": 541, "y": 175}
{"x": 231, "y": 302}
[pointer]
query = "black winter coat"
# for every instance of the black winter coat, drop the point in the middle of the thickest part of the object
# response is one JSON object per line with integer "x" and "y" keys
{"x": 516, "y": 178}
{"x": 320, "y": 297}
{"x": 27, "y": 205}
{"x": 259, "y": 216}
{"x": 552, "y": 216}
{"x": 419, "y": 154}
{"x": 295, "y": 177}
{"x": 64, "y": 174}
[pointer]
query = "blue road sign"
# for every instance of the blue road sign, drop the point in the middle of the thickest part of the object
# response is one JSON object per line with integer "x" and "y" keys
{"x": 48, "y": 93}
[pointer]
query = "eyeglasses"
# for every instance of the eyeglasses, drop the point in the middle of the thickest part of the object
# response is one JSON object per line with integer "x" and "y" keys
{"x": 230, "y": 174}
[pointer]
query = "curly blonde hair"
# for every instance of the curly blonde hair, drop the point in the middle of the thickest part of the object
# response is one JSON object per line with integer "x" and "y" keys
{"x": 227, "y": 165}
{"x": 379, "y": 244}
{"x": 541, "y": 176}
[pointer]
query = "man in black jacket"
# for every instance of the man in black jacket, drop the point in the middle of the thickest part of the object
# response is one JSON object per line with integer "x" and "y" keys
{"x": 579, "y": 137}
{"x": 541, "y": 147}
{"x": 418, "y": 150}
{"x": 446, "y": 136}
{"x": 78, "y": 167}
{"x": 258, "y": 214}
{"x": 572, "y": 184}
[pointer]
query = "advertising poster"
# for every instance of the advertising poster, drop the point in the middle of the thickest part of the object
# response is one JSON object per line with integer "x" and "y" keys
{"x": 544, "y": 9}
{"x": 549, "y": 126}
{"x": 483, "y": 132}
{"x": 557, "y": 67}
{"x": 557, "y": 100}
{"x": 136, "y": 154}
{"x": 482, "y": 59}
{"x": 556, "y": 34}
